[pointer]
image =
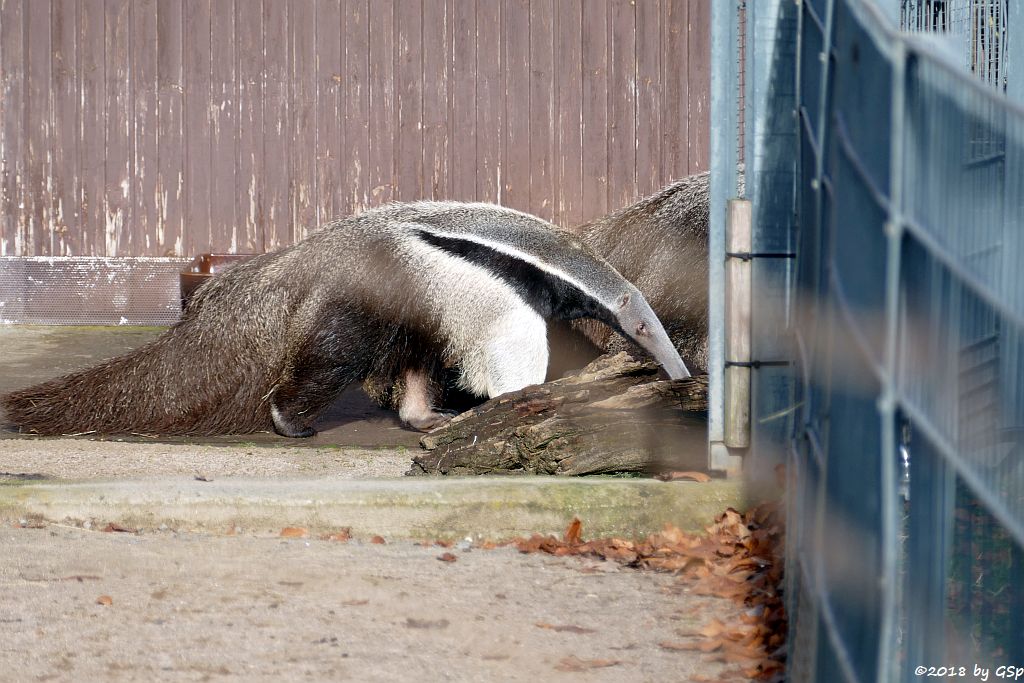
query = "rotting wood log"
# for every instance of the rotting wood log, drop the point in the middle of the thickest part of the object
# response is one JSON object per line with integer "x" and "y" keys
{"x": 614, "y": 416}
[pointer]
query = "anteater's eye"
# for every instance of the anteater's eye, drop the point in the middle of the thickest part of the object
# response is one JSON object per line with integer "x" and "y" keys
{"x": 641, "y": 328}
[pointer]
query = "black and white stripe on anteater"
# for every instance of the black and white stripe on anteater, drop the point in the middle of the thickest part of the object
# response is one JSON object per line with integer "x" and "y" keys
{"x": 397, "y": 291}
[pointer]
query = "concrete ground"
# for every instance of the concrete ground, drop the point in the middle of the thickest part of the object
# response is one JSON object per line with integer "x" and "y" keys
{"x": 204, "y": 588}
{"x": 185, "y": 607}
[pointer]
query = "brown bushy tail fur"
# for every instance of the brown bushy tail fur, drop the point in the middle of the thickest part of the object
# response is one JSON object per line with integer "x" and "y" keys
{"x": 210, "y": 373}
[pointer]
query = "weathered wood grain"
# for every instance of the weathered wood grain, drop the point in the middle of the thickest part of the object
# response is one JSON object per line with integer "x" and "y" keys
{"x": 143, "y": 127}
{"x": 613, "y": 416}
{"x": 226, "y": 229}
{"x": 302, "y": 150}
{"x": 541, "y": 113}
{"x": 382, "y": 115}
{"x": 622, "y": 133}
{"x": 277, "y": 216}
{"x": 250, "y": 209}
{"x": 330, "y": 111}
{"x": 595, "y": 109}
{"x": 675, "y": 76}
{"x": 356, "y": 100}
{"x": 568, "y": 80}
{"x": 173, "y": 127}
{"x": 464, "y": 102}
{"x": 409, "y": 100}
{"x": 12, "y": 162}
{"x": 649, "y": 96}
{"x": 92, "y": 128}
{"x": 490, "y": 100}
{"x": 197, "y": 83}
{"x": 698, "y": 102}
{"x": 65, "y": 181}
{"x": 38, "y": 137}
{"x": 515, "y": 172}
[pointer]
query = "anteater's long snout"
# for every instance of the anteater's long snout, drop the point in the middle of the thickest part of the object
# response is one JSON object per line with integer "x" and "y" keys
{"x": 638, "y": 322}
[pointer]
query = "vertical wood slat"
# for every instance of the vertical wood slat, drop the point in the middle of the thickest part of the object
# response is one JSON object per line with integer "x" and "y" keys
{"x": 381, "y": 131}
{"x": 250, "y": 176}
{"x": 224, "y": 224}
{"x": 356, "y": 98}
{"x": 698, "y": 59}
{"x": 144, "y": 128}
{"x": 515, "y": 173}
{"x": 621, "y": 104}
{"x": 330, "y": 130}
{"x": 302, "y": 40}
{"x": 569, "y": 107}
{"x": 463, "y": 102}
{"x": 170, "y": 171}
{"x": 595, "y": 109}
{"x": 64, "y": 179}
{"x": 490, "y": 100}
{"x": 276, "y": 126}
{"x": 180, "y": 126}
{"x": 437, "y": 47}
{"x": 409, "y": 100}
{"x": 674, "y": 75}
{"x": 12, "y": 163}
{"x": 197, "y": 56}
{"x": 38, "y": 156}
{"x": 118, "y": 199}
{"x": 649, "y": 98}
{"x": 541, "y": 112}
{"x": 91, "y": 144}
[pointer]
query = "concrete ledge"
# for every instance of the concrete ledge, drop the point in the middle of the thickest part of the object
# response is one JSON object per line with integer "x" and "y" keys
{"x": 484, "y": 507}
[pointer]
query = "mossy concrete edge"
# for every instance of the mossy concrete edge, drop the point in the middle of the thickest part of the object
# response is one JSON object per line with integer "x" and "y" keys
{"x": 482, "y": 507}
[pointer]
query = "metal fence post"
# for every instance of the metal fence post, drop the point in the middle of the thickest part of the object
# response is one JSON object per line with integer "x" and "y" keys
{"x": 724, "y": 130}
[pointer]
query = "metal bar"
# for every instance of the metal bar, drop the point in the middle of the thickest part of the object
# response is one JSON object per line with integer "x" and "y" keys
{"x": 724, "y": 122}
{"x": 990, "y": 499}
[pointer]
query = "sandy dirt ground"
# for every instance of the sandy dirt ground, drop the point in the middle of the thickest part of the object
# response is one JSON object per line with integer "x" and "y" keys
{"x": 195, "y": 607}
{"x": 186, "y": 607}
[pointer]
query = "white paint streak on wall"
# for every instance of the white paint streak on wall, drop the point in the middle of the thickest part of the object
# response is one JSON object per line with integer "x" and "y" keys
{"x": 112, "y": 228}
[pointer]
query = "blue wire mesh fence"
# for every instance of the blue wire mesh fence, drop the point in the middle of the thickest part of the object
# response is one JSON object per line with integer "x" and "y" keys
{"x": 905, "y": 433}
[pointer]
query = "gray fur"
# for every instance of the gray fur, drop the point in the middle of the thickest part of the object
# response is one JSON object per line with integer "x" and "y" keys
{"x": 275, "y": 339}
{"x": 660, "y": 244}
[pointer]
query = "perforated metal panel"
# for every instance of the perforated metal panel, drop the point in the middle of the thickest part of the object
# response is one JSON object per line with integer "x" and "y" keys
{"x": 90, "y": 291}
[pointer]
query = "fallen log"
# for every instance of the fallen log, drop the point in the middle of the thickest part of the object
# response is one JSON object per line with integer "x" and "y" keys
{"x": 614, "y": 416}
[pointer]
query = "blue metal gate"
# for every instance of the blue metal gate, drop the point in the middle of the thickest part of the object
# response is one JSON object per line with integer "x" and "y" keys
{"x": 904, "y": 428}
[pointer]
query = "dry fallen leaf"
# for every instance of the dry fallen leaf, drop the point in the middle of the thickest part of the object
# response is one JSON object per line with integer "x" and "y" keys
{"x": 574, "y": 532}
{"x": 341, "y": 536}
{"x": 447, "y": 557}
{"x": 294, "y": 532}
{"x": 572, "y": 663}
{"x": 111, "y": 527}
{"x": 104, "y": 600}
{"x": 379, "y": 540}
{"x": 700, "y": 477}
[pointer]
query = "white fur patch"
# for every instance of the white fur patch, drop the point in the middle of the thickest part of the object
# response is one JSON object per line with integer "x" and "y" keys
{"x": 498, "y": 341}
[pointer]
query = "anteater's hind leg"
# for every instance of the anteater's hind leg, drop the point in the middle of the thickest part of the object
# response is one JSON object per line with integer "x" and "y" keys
{"x": 331, "y": 356}
{"x": 417, "y": 407}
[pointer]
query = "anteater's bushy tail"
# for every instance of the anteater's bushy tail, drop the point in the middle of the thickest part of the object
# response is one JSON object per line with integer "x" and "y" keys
{"x": 181, "y": 383}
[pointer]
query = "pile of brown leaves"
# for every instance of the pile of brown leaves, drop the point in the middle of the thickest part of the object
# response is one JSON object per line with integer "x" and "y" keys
{"x": 740, "y": 558}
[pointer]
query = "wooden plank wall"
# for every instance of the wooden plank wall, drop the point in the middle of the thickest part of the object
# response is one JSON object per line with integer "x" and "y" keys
{"x": 176, "y": 127}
